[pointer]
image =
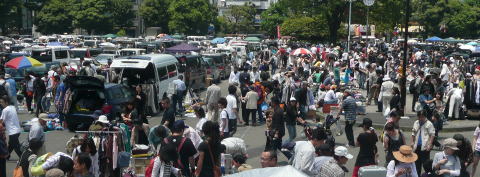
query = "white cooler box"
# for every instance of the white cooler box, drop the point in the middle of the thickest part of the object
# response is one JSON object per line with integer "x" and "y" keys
{"x": 372, "y": 171}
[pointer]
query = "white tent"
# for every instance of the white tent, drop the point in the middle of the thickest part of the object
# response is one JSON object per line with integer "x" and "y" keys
{"x": 284, "y": 171}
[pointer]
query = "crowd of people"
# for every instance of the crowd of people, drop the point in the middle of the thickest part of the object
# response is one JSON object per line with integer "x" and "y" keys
{"x": 279, "y": 90}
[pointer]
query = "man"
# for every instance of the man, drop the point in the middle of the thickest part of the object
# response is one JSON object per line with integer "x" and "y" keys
{"x": 423, "y": 134}
{"x": 39, "y": 90}
{"x": 244, "y": 78}
{"x": 169, "y": 114}
{"x": 37, "y": 133}
{"x": 157, "y": 134}
{"x": 211, "y": 98}
{"x": 305, "y": 152}
{"x": 325, "y": 154}
{"x": 268, "y": 159}
{"x": 5, "y": 87}
{"x": 349, "y": 105}
{"x": 9, "y": 117}
{"x": 185, "y": 148}
{"x": 362, "y": 72}
{"x": 254, "y": 75}
{"x": 330, "y": 96}
{"x": 456, "y": 101}
{"x": 278, "y": 124}
{"x": 386, "y": 94}
{"x": 232, "y": 109}
{"x": 372, "y": 82}
{"x": 180, "y": 89}
{"x": 418, "y": 88}
{"x": 335, "y": 167}
{"x": 224, "y": 116}
{"x": 12, "y": 90}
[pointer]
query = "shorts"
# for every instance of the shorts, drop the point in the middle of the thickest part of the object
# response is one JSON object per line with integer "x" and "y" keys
{"x": 476, "y": 153}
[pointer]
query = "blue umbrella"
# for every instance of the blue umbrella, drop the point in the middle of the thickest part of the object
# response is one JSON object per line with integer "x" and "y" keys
{"x": 434, "y": 39}
{"x": 218, "y": 40}
{"x": 472, "y": 43}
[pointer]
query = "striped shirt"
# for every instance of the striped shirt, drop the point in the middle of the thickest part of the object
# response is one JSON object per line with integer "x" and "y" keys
{"x": 349, "y": 106}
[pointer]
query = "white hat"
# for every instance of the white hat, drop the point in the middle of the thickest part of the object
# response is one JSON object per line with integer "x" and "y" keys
{"x": 293, "y": 99}
{"x": 103, "y": 119}
{"x": 7, "y": 76}
{"x": 386, "y": 78}
{"x": 342, "y": 151}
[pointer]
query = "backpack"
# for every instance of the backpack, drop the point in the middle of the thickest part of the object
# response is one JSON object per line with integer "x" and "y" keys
{"x": 178, "y": 164}
{"x": 3, "y": 90}
{"x": 260, "y": 91}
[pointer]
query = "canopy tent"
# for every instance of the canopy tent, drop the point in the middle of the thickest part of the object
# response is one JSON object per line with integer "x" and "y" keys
{"x": 434, "y": 39}
{"x": 110, "y": 36}
{"x": 451, "y": 40}
{"x": 252, "y": 39}
{"x": 177, "y": 36}
{"x": 182, "y": 48}
{"x": 285, "y": 171}
{"x": 218, "y": 40}
{"x": 473, "y": 43}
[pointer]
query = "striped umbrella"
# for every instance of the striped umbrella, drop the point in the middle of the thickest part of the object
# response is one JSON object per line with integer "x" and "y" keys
{"x": 301, "y": 51}
{"x": 22, "y": 62}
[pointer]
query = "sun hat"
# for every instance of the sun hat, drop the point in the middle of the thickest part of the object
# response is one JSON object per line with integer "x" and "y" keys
{"x": 405, "y": 154}
{"x": 342, "y": 151}
{"x": 450, "y": 143}
{"x": 103, "y": 119}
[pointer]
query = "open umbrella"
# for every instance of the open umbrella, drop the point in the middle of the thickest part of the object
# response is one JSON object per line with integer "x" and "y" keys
{"x": 434, "y": 39}
{"x": 22, "y": 62}
{"x": 301, "y": 51}
{"x": 218, "y": 40}
{"x": 285, "y": 171}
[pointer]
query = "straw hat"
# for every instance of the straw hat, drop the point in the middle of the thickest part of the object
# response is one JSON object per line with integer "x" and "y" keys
{"x": 405, "y": 154}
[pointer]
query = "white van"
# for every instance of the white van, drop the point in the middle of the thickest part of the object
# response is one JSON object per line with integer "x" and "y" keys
{"x": 51, "y": 54}
{"x": 132, "y": 52}
{"x": 154, "y": 72}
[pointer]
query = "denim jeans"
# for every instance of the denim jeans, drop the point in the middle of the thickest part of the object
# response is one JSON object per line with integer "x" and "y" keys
{"x": 292, "y": 132}
{"x": 362, "y": 78}
{"x": 46, "y": 104}
{"x": 349, "y": 132}
{"x": 180, "y": 96}
{"x": 260, "y": 113}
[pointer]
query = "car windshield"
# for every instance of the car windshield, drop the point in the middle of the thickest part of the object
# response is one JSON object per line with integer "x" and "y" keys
{"x": 103, "y": 58}
{"x": 209, "y": 61}
{"x": 78, "y": 53}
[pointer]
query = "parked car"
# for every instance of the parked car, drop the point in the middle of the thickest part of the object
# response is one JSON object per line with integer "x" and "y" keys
{"x": 211, "y": 69}
{"x": 89, "y": 94}
{"x": 193, "y": 69}
{"x": 222, "y": 63}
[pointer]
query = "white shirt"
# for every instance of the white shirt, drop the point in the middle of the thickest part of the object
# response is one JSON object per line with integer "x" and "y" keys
{"x": 10, "y": 119}
{"x": 231, "y": 104}
{"x": 200, "y": 123}
{"x": 330, "y": 95}
{"x": 319, "y": 161}
{"x": 224, "y": 115}
{"x": 254, "y": 76}
{"x": 233, "y": 78}
{"x": 393, "y": 168}
{"x": 304, "y": 157}
{"x": 53, "y": 161}
{"x": 427, "y": 131}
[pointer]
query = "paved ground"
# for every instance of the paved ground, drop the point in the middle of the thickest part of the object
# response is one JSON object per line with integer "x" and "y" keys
{"x": 253, "y": 136}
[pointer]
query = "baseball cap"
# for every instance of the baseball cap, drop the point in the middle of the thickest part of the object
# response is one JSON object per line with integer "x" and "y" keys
{"x": 366, "y": 122}
{"x": 179, "y": 125}
{"x": 342, "y": 151}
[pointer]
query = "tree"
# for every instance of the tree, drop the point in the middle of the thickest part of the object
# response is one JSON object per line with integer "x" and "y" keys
{"x": 242, "y": 18}
{"x": 9, "y": 15}
{"x": 334, "y": 12}
{"x": 306, "y": 28}
{"x": 386, "y": 15}
{"x": 122, "y": 12}
{"x": 93, "y": 16}
{"x": 273, "y": 17}
{"x": 155, "y": 13}
{"x": 54, "y": 18}
{"x": 190, "y": 16}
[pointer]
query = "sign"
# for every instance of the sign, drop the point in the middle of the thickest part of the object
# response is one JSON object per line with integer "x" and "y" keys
{"x": 368, "y": 2}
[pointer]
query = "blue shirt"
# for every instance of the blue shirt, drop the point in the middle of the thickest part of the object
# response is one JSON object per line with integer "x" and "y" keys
{"x": 424, "y": 98}
{"x": 13, "y": 87}
{"x": 180, "y": 84}
{"x": 349, "y": 106}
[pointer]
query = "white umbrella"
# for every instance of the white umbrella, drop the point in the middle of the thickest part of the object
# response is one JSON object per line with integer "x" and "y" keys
{"x": 285, "y": 171}
{"x": 7, "y": 42}
{"x": 468, "y": 47}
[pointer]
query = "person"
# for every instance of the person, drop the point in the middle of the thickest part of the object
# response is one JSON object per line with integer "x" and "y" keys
{"x": 88, "y": 147}
{"x": 386, "y": 94}
{"x": 12, "y": 90}
{"x": 200, "y": 114}
{"x": 232, "y": 110}
{"x": 3, "y": 151}
{"x": 446, "y": 163}
{"x": 184, "y": 146}
{"x": 28, "y": 92}
{"x": 250, "y": 101}
{"x": 211, "y": 99}
{"x": 465, "y": 153}
{"x": 59, "y": 160}
{"x": 427, "y": 102}
{"x": 305, "y": 151}
{"x": 139, "y": 132}
{"x": 99, "y": 75}
{"x": 5, "y": 90}
{"x": 278, "y": 125}
{"x": 372, "y": 82}
{"x": 456, "y": 100}
{"x": 162, "y": 165}
{"x": 368, "y": 149}
{"x": 129, "y": 114}
{"x": 29, "y": 154}
{"x": 169, "y": 114}
{"x": 335, "y": 167}
{"x": 239, "y": 162}
{"x": 223, "y": 120}
{"x": 268, "y": 159}
{"x": 392, "y": 141}
{"x": 402, "y": 164}
{"x": 324, "y": 154}
{"x": 37, "y": 132}
{"x": 210, "y": 150}
{"x": 140, "y": 101}
{"x": 157, "y": 134}
{"x": 476, "y": 149}
{"x": 423, "y": 134}
{"x": 39, "y": 90}
{"x": 396, "y": 101}
{"x": 82, "y": 164}
{"x": 180, "y": 89}
{"x": 291, "y": 119}
{"x": 349, "y": 105}
{"x": 330, "y": 96}
{"x": 9, "y": 117}
{"x": 417, "y": 87}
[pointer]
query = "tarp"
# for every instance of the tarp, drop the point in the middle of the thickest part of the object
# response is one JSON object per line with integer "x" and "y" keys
{"x": 183, "y": 47}
{"x": 452, "y": 40}
{"x": 285, "y": 171}
{"x": 434, "y": 39}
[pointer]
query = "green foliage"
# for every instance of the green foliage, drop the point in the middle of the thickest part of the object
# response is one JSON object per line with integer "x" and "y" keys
{"x": 54, "y": 18}
{"x": 121, "y": 33}
{"x": 122, "y": 12}
{"x": 93, "y": 16}
{"x": 386, "y": 14}
{"x": 222, "y": 25}
{"x": 273, "y": 17}
{"x": 155, "y": 13}
{"x": 9, "y": 15}
{"x": 190, "y": 16}
{"x": 305, "y": 28}
{"x": 242, "y": 18}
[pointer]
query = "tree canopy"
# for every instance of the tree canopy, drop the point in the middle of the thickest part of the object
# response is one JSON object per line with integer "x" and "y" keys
{"x": 55, "y": 17}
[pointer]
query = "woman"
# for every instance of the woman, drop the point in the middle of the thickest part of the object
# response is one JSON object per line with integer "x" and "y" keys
{"x": 395, "y": 102}
{"x": 82, "y": 164}
{"x": 476, "y": 148}
{"x": 163, "y": 163}
{"x": 29, "y": 92}
{"x": 392, "y": 141}
{"x": 200, "y": 114}
{"x": 465, "y": 153}
{"x": 446, "y": 163}
{"x": 403, "y": 165}
{"x": 427, "y": 102}
{"x": 251, "y": 100}
{"x": 129, "y": 114}
{"x": 368, "y": 150}
{"x": 210, "y": 150}
{"x": 139, "y": 133}
{"x": 88, "y": 146}
{"x": 140, "y": 101}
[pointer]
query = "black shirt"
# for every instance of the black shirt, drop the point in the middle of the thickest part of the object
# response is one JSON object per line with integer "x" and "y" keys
{"x": 278, "y": 123}
{"x": 292, "y": 114}
{"x": 368, "y": 149}
{"x": 168, "y": 115}
{"x": 188, "y": 150}
{"x": 207, "y": 168}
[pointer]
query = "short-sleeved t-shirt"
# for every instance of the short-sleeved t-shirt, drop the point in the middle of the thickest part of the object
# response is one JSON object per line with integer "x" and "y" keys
{"x": 207, "y": 167}
{"x": 231, "y": 104}
{"x": 368, "y": 147}
{"x": 224, "y": 115}
{"x": 188, "y": 149}
{"x": 168, "y": 115}
{"x": 477, "y": 134}
{"x": 10, "y": 119}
